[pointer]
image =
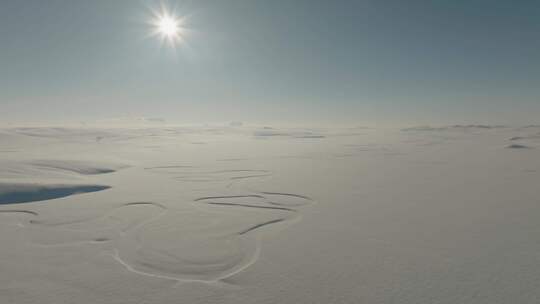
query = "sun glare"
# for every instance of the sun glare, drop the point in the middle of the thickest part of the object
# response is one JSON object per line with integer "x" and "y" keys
{"x": 167, "y": 26}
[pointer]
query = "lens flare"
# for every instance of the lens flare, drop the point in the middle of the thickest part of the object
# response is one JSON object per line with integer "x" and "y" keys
{"x": 168, "y": 26}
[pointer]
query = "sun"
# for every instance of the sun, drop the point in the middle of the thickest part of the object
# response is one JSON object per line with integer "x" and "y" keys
{"x": 168, "y": 26}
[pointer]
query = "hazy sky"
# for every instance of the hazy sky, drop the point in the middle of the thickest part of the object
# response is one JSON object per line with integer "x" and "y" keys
{"x": 362, "y": 62}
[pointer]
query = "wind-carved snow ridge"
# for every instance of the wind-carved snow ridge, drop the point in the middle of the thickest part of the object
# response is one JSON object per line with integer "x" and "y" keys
{"x": 147, "y": 239}
{"x": 11, "y": 193}
{"x": 80, "y": 167}
{"x": 454, "y": 128}
{"x": 195, "y": 174}
{"x": 204, "y": 239}
{"x": 30, "y": 181}
{"x": 55, "y": 168}
{"x": 200, "y": 250}
{"x": 268, "y": 132}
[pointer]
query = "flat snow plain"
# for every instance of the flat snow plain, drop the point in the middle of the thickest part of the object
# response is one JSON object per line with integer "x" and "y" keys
{"x": 241, "y": 214}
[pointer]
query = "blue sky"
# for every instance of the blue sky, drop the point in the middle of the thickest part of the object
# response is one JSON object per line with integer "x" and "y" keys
{"x": 302, "y": 61}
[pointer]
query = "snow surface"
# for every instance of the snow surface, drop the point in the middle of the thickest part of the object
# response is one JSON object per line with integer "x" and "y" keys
{"x": 242, "y": 214}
